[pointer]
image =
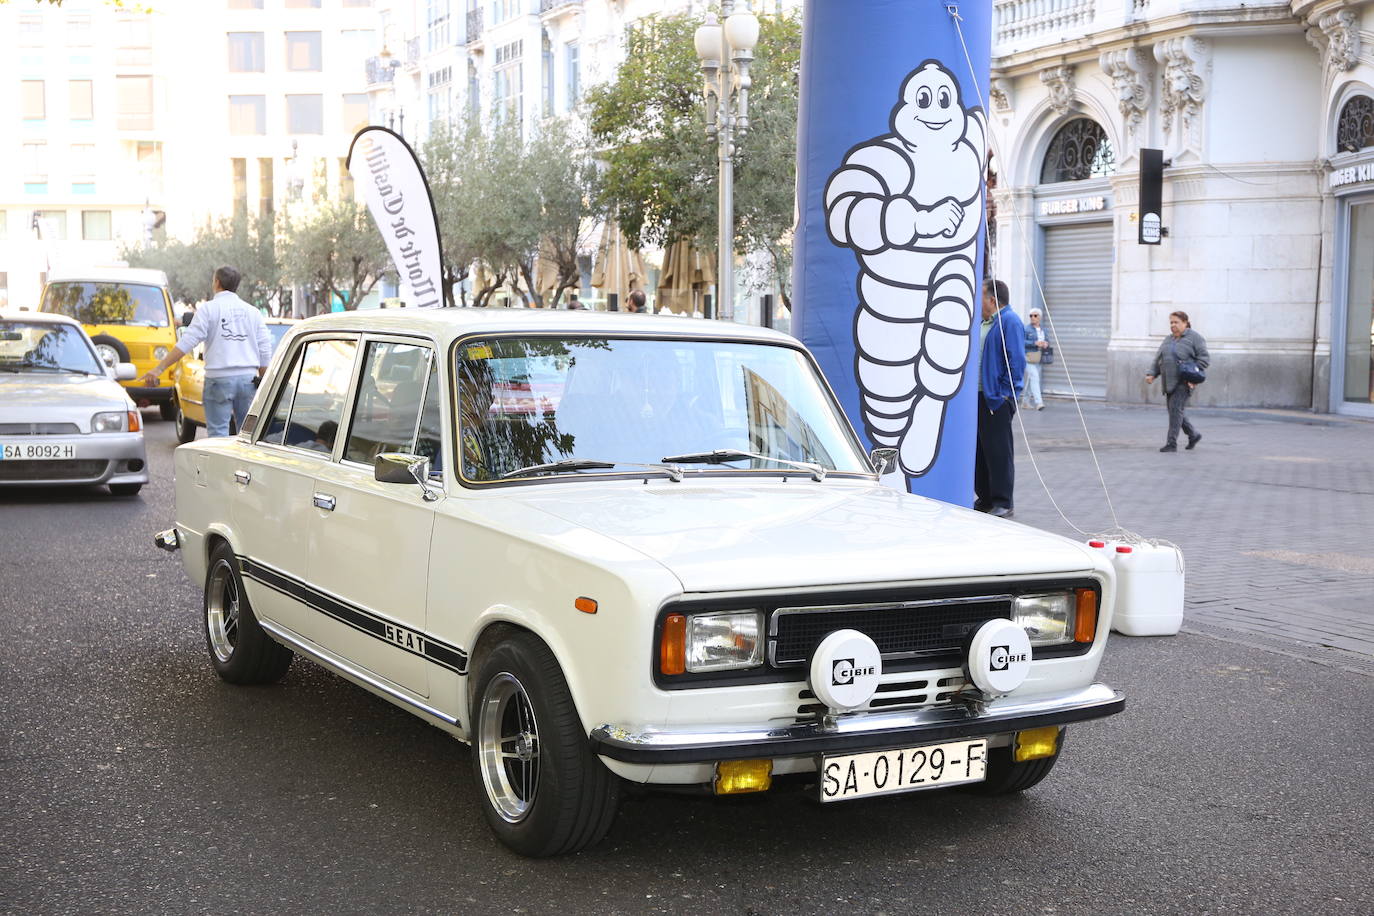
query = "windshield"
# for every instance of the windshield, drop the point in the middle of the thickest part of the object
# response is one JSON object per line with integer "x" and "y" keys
{"x": 531, "y": 401}
{"x": 39, "y": 346}
{"x": 108, "y": 303}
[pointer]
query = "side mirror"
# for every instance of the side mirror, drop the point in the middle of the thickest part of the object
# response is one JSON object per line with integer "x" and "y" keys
{"x": 884, "y": 460}
{"x": 125, "y": 371}
{"x": 397, "y": 467}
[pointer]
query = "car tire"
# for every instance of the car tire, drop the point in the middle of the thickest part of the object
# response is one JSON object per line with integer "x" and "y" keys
{"x": 185, "y": 428}
{"x": 105, "y": 345}
{"x": 1006, "y": 776}
{"x": 168, "y": 409}
{"x": 543, "y": 792}
{"x": 125, "y": 489}
{"x": 241, "y": 652}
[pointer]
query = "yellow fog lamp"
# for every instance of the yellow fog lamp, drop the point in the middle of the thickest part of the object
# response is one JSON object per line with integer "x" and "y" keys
{"x": 1035, "y": 743}
{"x": 735, "y": 777}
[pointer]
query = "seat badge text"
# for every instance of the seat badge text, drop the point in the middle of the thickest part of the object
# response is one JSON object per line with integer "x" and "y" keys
{"x": 404, "y": 638}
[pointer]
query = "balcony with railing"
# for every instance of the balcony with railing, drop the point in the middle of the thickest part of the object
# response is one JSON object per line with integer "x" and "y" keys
{"x": 1025, "y": 25}
{"x": 380, "y": 71}
{"x": 558, "y": 7}
{"x": 474, "y": 26}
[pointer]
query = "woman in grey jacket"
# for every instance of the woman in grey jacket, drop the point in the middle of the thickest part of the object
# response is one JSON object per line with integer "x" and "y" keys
{"x": 1182, "y": 344}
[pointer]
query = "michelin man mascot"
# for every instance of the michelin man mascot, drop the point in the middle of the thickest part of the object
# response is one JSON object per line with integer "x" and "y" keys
{"x": 910, "y": 205}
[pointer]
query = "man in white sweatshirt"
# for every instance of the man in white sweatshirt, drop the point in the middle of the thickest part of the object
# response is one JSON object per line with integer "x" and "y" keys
{"x": 238, "y": 348}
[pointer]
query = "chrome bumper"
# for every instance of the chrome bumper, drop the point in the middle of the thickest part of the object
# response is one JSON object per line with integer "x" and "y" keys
{"x": 856, "y": 732}
{"x": 168, "y": 540}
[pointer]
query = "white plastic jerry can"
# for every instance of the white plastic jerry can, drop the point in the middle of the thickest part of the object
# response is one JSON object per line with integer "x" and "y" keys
{"x": 1149, "y": 588}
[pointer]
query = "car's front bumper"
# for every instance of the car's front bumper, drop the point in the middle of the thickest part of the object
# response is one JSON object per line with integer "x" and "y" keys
{"x": 857, "y": 732}
{"x": 100, "y": 458}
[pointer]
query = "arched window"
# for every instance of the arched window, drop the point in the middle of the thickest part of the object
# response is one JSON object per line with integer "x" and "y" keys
{"x": 1355, "y": 129}
{"x": 1079, "y": 150}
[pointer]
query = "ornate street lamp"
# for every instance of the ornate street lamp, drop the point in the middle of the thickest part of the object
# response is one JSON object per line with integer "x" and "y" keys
{"x": 725, "y": 54}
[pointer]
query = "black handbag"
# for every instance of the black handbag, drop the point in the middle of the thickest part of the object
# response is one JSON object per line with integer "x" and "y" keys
{"x": 1047, "y": 356}
{"x": 1189, "y": 371}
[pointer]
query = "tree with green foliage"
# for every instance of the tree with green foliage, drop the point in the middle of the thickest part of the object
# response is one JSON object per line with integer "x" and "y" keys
{"x": 567, "y": 185}
{"x": 337, "y": 251}
{"x": 248, "y": 244}
{"x": 661, "y": 177}
{"x": 449, "y": 156}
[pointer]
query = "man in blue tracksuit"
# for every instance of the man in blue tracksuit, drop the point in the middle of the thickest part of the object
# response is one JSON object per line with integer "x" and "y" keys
{"x": 1001, "y": 374}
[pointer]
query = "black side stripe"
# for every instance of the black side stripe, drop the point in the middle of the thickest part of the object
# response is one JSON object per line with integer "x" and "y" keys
{"x": 416, "y": 642}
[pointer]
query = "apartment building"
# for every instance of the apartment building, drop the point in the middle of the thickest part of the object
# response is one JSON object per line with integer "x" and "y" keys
{"x": 121, "y": 123}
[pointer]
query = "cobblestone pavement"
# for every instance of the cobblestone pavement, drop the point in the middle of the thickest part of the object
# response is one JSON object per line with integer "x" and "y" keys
{"x": 1274, "y": 511}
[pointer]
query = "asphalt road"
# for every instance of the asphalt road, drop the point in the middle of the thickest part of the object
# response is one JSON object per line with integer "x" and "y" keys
{"x": 133, "y": 781}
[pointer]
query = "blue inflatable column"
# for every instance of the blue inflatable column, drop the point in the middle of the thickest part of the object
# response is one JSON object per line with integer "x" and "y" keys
{"x": 891, "y": 158}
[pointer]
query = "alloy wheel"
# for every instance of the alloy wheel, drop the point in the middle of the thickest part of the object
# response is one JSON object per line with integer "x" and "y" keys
{"x": 222, "y": 612}
{"x": 508, "y": 745}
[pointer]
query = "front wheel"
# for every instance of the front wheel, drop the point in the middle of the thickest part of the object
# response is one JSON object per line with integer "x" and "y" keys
{"x": 185, "y": 428}
{"x": 241, "y": 652}
{"x": 543, "y": 792}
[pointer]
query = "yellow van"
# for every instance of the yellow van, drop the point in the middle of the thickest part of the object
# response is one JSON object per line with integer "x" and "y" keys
{"x": 128, "y": 313}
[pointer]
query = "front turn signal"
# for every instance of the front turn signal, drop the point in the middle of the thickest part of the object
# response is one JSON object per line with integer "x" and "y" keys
{"x": 1085, "y": 621}
{"x": 735, "y": 777}
{"x": 1036, "y": 743}
{"x": 135, "y": 421}
{"x": 672, "y": 646}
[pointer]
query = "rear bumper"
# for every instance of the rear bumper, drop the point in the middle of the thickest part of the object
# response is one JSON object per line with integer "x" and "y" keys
{"x": 100, "y": 458}
{"x": 160, "y": 395}
{"x": 856, "y": 733}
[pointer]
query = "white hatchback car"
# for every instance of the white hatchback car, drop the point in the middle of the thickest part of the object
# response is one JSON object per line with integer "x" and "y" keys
{"x": 603, "y": 549}
{"x": 64, "y": 418}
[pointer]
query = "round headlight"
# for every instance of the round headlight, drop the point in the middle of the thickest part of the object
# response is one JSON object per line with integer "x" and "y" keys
{"x": 159, "y": 353}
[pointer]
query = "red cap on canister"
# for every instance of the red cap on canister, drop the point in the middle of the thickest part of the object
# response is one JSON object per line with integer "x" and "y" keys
{"x": 1097, "y": 543}
{"x": 1122, "y": 548}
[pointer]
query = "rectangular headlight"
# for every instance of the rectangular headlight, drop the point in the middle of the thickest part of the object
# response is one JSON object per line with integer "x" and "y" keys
{"x": 1048, "y": 619}
{"x": 110, "y": 421}
{"x": 726, "y": 641}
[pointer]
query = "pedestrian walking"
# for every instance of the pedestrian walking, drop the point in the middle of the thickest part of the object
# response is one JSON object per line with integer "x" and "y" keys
{"x": 238, "y": 348}
{"x": 1179, "y": 362}
{"x": 1000, "y": 380}
{"x": 1036, "y": 345}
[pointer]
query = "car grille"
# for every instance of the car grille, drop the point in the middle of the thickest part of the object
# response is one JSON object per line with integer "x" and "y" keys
{"x": 39, "y": 429}
{"x": 903, "y": 629}
{"x": 77, "y": 469}
{"x": 898, "y": 690}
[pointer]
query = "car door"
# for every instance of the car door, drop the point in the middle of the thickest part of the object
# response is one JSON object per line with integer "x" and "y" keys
{"x": 274, "y": 479}
{"x": 370, "y": 541}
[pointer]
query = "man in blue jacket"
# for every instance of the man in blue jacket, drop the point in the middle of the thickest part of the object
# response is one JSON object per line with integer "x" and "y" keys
{"x": 1001, "y": 374}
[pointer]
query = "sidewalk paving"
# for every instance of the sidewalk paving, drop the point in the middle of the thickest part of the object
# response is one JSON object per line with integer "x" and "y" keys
{"x": 1274, "y": 511}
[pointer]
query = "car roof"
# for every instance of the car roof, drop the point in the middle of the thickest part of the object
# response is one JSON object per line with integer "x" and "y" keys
{"x": 37, "y": 317}
{"x": 140, "y": 275}
{"x": 449, "y": 323}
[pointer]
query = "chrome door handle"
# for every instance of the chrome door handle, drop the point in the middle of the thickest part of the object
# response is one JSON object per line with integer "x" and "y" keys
{"x": 242, "y": 477}
{"x": 324, "y": 502}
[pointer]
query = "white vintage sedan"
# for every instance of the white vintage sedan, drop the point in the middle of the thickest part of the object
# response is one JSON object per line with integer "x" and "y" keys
{"x": 64, "y": 419}
{"x": 604, "y": 550}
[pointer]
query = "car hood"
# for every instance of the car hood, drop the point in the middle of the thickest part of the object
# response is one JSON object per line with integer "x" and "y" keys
{"x": 31, "y": 397}
{"x": 788, "y": 535}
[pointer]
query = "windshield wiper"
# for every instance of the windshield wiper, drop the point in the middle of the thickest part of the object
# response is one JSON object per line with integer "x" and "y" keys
{"x": 589, "y": 464}
{"x": 726, "y": 455}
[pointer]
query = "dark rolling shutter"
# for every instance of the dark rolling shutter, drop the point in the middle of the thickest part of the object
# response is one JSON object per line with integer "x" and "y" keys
{"x": 1078, "y": 307}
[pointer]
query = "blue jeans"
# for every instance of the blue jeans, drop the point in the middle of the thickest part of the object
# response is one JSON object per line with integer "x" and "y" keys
{"x": 1033, "y": 384}
{"x": 225, "y": 398}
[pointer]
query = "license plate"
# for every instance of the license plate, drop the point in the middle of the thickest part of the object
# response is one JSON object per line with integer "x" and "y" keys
{"x": 932, "y": 766}
{"x": 36, "y": 451}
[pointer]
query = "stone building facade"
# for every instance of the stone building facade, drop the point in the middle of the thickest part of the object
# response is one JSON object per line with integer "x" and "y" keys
{"x": 1265, "y": 115}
